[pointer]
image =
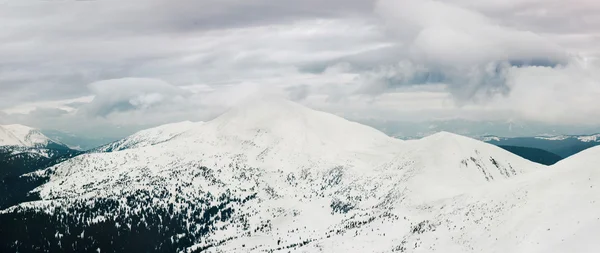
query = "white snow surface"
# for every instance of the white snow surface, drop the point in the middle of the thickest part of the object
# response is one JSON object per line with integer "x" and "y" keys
{"x": 442, "y": 193}
{"x": 149, "y": 137}
{"x": 20, "y": 135}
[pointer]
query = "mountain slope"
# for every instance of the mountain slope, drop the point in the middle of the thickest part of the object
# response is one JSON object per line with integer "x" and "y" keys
{"x": 273, "y": 176}
{"x": 550, "y": 210}
{"x": 447, "y": 164}
{"x": 148, "y": 137}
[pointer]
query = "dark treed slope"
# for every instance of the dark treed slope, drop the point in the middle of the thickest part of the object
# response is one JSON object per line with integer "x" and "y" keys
{"x": 562, "y": 147}
{"x": 534, "y": 154}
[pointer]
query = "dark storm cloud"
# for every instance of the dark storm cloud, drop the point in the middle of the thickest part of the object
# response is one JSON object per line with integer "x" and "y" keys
{"x": 298, "y": 92}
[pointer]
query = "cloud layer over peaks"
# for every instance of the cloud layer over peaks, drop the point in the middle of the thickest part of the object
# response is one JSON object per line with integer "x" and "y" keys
{"x": 95, "y": 65}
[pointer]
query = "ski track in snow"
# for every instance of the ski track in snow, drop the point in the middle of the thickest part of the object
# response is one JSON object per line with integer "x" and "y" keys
{"x": 308, "y": 181}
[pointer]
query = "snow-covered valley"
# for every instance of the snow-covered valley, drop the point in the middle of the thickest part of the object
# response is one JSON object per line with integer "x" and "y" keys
{"x": 274, "y": 176}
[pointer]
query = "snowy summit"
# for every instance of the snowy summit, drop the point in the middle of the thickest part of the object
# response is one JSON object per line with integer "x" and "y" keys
{"x": 20, "y": 135}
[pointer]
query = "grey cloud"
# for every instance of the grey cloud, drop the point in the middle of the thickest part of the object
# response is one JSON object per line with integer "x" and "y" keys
{"x": 51, "y": 50}
{"x": 338, "y": 49}
{"x": 439, "y": 42}
{"x": 128, "y": 94}
{"x": 555, "y": 16}
{"x": 465, "y": 49}
{"x": 48, "y": 112}
{"x": 442, "y": 33}
{"x": 4, "y": 118}
{"x": 47, "y": 80}
{"x": 298, "y": 92}
{"x": 106, "y": 18}
{"x": 361, "y": 61}
{"x": 120, "y": 107}
{"x": 76, "y": 104}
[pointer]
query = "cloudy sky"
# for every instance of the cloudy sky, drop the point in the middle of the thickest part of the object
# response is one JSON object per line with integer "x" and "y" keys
{"x": 111, "y": 67}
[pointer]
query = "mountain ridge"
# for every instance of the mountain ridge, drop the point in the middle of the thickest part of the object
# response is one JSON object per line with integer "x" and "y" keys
{"x": 148, "y": 137}
{"x": 280, "y": 177}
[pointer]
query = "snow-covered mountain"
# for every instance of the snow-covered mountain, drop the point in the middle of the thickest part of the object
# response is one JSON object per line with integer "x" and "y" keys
{"x": 24, "y": 136}
{"x": 274, "y": 176}
{"x": 18, "y": 139}
{"x": 23, "y": 150}
{"x": 489, "y": 138}
{"x": 589, "y": 138}
{"x": 148, "y": 137}
{"x": 583, "y": 138}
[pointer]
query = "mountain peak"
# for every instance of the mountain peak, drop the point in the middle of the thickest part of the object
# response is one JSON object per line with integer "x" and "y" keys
{"x": 277, "y": 129}
{"x": 290, "y": 121}
{"x": 21, "y": 135}
{"x": 444, "y": 135}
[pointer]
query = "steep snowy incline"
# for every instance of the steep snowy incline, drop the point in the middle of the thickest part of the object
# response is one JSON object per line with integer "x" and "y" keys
{"x": 20, "y": 135}
{"x": 149, "y": 137}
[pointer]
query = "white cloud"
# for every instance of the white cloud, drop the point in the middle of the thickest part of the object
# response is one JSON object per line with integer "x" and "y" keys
{"x": 447, "y": 34}
{"x": 564, "y": 94}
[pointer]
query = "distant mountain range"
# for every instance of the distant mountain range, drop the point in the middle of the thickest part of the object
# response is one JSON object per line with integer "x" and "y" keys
{"x": 561, "y": 145}
{"x": 415, "y": 130}
{"x": 274, "y": 176}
